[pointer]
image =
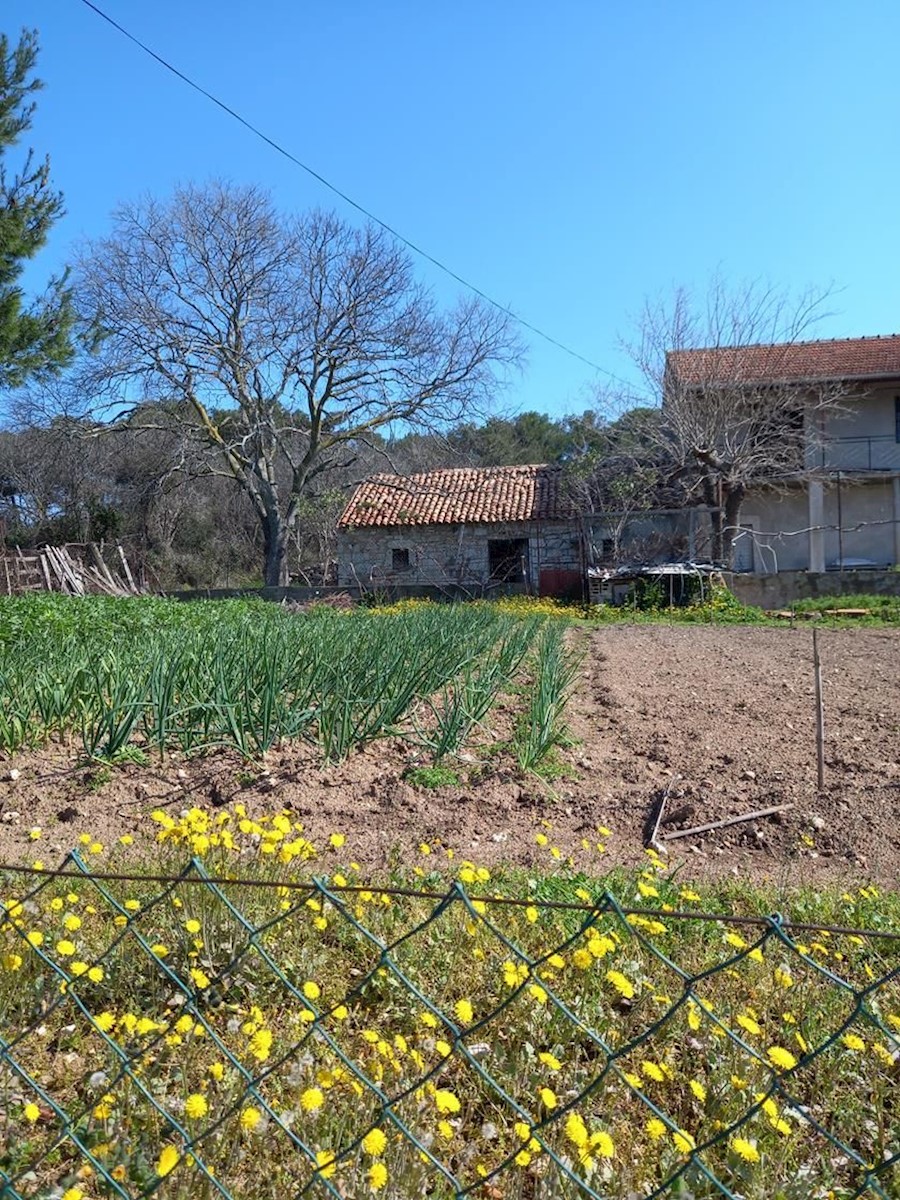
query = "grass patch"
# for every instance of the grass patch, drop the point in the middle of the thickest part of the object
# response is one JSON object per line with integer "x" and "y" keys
{"x": 432, "y": 777}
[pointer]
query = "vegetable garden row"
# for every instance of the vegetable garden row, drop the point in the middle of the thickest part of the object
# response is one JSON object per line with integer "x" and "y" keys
{"x": 134, "y": 677}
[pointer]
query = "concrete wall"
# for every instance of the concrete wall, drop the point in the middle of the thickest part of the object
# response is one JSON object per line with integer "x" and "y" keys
{"x": 778, "y": 591}
{"x": 444, "y": 555}
{"x": 861, "y": 519}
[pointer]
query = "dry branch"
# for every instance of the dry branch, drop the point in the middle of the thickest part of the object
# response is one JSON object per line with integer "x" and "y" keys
{"x": 750, "y": 816}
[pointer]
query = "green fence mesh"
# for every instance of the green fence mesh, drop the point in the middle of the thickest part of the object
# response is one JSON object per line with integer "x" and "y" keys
{"x": 201, "y": 1038}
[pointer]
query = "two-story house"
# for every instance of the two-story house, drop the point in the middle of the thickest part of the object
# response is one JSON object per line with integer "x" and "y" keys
{"x": 841, "y": 506}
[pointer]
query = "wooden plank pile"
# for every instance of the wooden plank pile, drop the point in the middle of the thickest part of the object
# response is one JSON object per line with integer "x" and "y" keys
{"x": 73, "y": 570}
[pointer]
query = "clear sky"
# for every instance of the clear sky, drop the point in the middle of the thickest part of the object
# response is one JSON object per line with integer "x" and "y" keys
{"x": 570, "y": 157}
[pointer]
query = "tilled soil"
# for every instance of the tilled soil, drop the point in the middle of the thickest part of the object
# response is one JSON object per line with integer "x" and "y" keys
{"x": 718, "y": 720}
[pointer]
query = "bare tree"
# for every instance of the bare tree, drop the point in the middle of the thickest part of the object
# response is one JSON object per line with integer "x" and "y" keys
{"x": 736, "y": 413}
{"x": 291, "y": 340}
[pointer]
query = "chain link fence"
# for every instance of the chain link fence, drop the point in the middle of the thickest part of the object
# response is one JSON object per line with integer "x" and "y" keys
{"x": 194, "y": 1035}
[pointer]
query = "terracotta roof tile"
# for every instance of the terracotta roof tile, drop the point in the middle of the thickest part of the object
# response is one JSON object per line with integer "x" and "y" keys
{"x": 459, "y": 495}
{"x": 790, "y": 362}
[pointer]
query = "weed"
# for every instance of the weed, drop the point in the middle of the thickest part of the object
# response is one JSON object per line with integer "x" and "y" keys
{"x": 432, "y": 777}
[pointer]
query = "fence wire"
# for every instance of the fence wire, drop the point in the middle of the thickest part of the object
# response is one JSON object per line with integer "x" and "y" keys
{"x": 200, "y": 1038}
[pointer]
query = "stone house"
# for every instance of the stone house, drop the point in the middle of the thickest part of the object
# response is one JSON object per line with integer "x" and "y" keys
{"x": 841, "y": 508}
{"x": 464, "y": 531}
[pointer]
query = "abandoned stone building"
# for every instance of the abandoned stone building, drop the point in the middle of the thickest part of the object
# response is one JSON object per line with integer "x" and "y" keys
{"x": 470, "y": 530}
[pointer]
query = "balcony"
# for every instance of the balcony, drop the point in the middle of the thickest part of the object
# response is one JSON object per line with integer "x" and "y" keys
{"x": 858, "y": 454}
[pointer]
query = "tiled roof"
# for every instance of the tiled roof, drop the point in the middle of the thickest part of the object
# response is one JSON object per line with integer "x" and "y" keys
{"x": 790, "y": 362}
{"x": 459, "y": 495}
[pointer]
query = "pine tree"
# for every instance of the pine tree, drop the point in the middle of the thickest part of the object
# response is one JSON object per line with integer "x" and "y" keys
{"x": 36, "y": 337}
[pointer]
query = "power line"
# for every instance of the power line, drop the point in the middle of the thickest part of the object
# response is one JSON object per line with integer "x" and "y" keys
{"x": 257, "y": 132}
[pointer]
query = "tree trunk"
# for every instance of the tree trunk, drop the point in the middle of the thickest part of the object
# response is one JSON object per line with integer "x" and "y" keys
{"x": 716, "y": 550}
{"x": 275, "y": 538}
{"x": 734, "y": 498}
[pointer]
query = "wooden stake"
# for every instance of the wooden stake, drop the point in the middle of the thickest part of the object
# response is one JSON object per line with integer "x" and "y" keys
{"x": 750, "y": 816}
{"x": 820, "y": 714}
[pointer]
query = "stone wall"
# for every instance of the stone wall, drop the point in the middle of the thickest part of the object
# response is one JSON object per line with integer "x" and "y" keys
{"x": 778, "y": 591}
{"x": 455, "y": 556}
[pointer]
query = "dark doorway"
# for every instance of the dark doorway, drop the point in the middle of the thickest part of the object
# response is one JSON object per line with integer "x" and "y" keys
{"x": 508, "y": 560}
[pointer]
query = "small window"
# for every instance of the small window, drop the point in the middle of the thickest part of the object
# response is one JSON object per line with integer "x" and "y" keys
{"x": 399, "y": 560}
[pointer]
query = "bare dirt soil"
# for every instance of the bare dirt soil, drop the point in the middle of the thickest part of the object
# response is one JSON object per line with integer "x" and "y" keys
{"x": 719, "y": 719}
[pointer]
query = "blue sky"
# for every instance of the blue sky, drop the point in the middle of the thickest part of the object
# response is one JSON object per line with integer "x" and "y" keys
{"x": 569, "y": 158}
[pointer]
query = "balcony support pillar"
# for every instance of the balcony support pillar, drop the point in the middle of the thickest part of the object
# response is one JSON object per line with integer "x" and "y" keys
{"x": 816, "y": 519}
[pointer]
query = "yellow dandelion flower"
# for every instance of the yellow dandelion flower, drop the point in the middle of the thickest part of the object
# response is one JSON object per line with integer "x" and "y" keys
{"x": 781, "y": 1058}
{"x": 337, "y": 840}
{"x": 683, "y": 1141}
{"x": 622, "y": 984}
{"x": 576, "y": 1130}
{"x": 31, "y": 1113}
{"x": 250, "y": 1118}
{"x": 548, "y": 1098}
{"x": 375, "y": 1142}
{"x": 653, "y": 1071}
{"x": 325, "y": 1161}
{"x": 168, "y": 1160}
{"x": 311, "y": 990}
{"x": 522, "y": 1159}
{"x": 747, "y": 1023}
{"x": 656, "y": 1128}
{"x": 312, "y": 1099}
{"x": 95, "y": 974}
{"x": 549, "y": 1060}
{"x": 698, "y": 1089}
{"x": 378, "y": 1176}
{"x": 71, "y": 923}
{"x": 744, "y": 1149}
{"x": 73, "y": 1193}
{"x": 65, "y": 948}
{"x": 602, "y": 1144}
{"x": 446, "y": 1101}
{"x": 853, "y": 1041}
{"x": 261, "y": 1044}
{"x": 195, "y": 1106}
{"x": 464, "y": 1012}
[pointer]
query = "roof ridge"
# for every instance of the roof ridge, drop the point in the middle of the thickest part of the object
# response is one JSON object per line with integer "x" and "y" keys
{"x": 867, "y": 337}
